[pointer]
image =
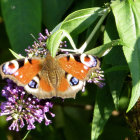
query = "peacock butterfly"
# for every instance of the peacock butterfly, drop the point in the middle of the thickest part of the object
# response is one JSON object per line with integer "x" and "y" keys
{"x": 62, "y": 76}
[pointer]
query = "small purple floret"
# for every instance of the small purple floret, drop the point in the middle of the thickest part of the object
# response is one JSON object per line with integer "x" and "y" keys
{"x": 96, "y": 78}
{"x": 23, "y": 109}
{"x": 39, "y": 48}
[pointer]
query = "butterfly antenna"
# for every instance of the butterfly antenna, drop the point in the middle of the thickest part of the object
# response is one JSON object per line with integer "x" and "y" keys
{"x": 34, "y": 38}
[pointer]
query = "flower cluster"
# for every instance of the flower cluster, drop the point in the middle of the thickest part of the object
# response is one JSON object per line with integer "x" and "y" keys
{"x": 23, "y": 108}
{"x": 96, "y": 78}
{"x": 38, "y": 49}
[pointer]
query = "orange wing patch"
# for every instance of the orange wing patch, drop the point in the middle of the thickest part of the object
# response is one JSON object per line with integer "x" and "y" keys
{"x": 63, "y": 85}
{"x": 73, "y": 67}
{"x": 44, "y": 85}
{"x": 26, "y": 73}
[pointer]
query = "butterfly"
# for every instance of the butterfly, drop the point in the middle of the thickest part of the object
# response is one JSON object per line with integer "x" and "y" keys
{"x": 60, "y": 76}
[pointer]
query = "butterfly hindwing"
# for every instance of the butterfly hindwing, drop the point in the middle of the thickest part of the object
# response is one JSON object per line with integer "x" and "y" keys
{"x": 69, "y": 86}
{"x": 40, "y": 87}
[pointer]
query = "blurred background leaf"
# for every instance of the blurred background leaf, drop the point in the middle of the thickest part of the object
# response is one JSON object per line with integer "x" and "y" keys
{"x": 53, "y": 11}
{"x": 21, "y": 18}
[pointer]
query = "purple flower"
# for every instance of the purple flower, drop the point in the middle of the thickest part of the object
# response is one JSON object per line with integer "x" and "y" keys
{"x": 22, "y": 108}
{"x": 96, "y": 78}
{"x": 39, "y": 48}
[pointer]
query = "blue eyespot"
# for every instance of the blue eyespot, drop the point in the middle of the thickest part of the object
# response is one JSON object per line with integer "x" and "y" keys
{"x": 33, "y": 84}
{"x": 94, "y": 62}
{"x": 74, "y": 81}
{"x": 4, "y": 69}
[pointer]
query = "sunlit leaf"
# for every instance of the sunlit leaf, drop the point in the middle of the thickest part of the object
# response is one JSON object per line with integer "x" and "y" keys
{"x": 127, "y": 21}
{"x": 56, "y": 38}
{"x": 104, "y": 49}
{"x": 16, "y": 55}
{"x": 78, "y": 21}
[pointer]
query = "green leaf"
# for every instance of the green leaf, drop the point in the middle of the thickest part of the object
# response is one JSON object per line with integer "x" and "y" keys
{"x": 21, "y": 18}
{"x": 127, "y": 21}
{"x": 78, "y": 21}
{"x": 4, "y": 45}
{"x": 55, "y": 39}
{"x": 117, "y": 68}
{"x": 53, "y": 42}
{"x": 53, "y": 11}
{"x": 104, "y": 49}
{"x": 110, "y": 34}
{"x": 115, "y": 79}
{"x": 16, "y": 55}
{"x": 56, "y": 28}
{"x": 76, "y": 122}
{"x": 102, "y": 111}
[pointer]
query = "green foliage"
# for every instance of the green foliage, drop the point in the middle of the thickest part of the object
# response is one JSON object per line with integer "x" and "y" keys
{"x": 21, "y": 19}
{"x": 129, "y": 32}
{"x": 113, "y": 31}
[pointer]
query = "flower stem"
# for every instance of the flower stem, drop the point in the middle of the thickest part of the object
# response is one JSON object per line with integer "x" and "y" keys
{"x": 26, "y": 135}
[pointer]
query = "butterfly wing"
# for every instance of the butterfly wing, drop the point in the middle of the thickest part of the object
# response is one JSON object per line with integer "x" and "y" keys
{"x": 40, "y": 87}
{"x": 77, "y": 69}
{"x": 69, "y": 86}
{"x": 79, "y": 65}
{"x": 21, "y": 71}
{"x": 26, "y": 73}
{"x": 62, "y": 76}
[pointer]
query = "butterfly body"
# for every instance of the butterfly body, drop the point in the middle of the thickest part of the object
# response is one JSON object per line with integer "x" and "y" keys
{"x": 62, "y": 76}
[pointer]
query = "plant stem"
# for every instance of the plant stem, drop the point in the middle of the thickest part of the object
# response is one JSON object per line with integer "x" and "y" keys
{"x": 83, "y": 47}
{"x": 68, "y": 50}
{"x": 26, "y": 135}
{"x": 70, "y": 40}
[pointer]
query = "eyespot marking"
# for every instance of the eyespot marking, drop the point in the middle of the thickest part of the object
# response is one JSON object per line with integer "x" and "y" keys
{"x": 89, "y": 60}
{"x": 3, "y": 69}
{"x": 33, "y": 84}
{"x": 75, "y": 84}
{"x": 86, "y": 59}
{"x": 10, "y": 67}
{"x": 74, "y": 81}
